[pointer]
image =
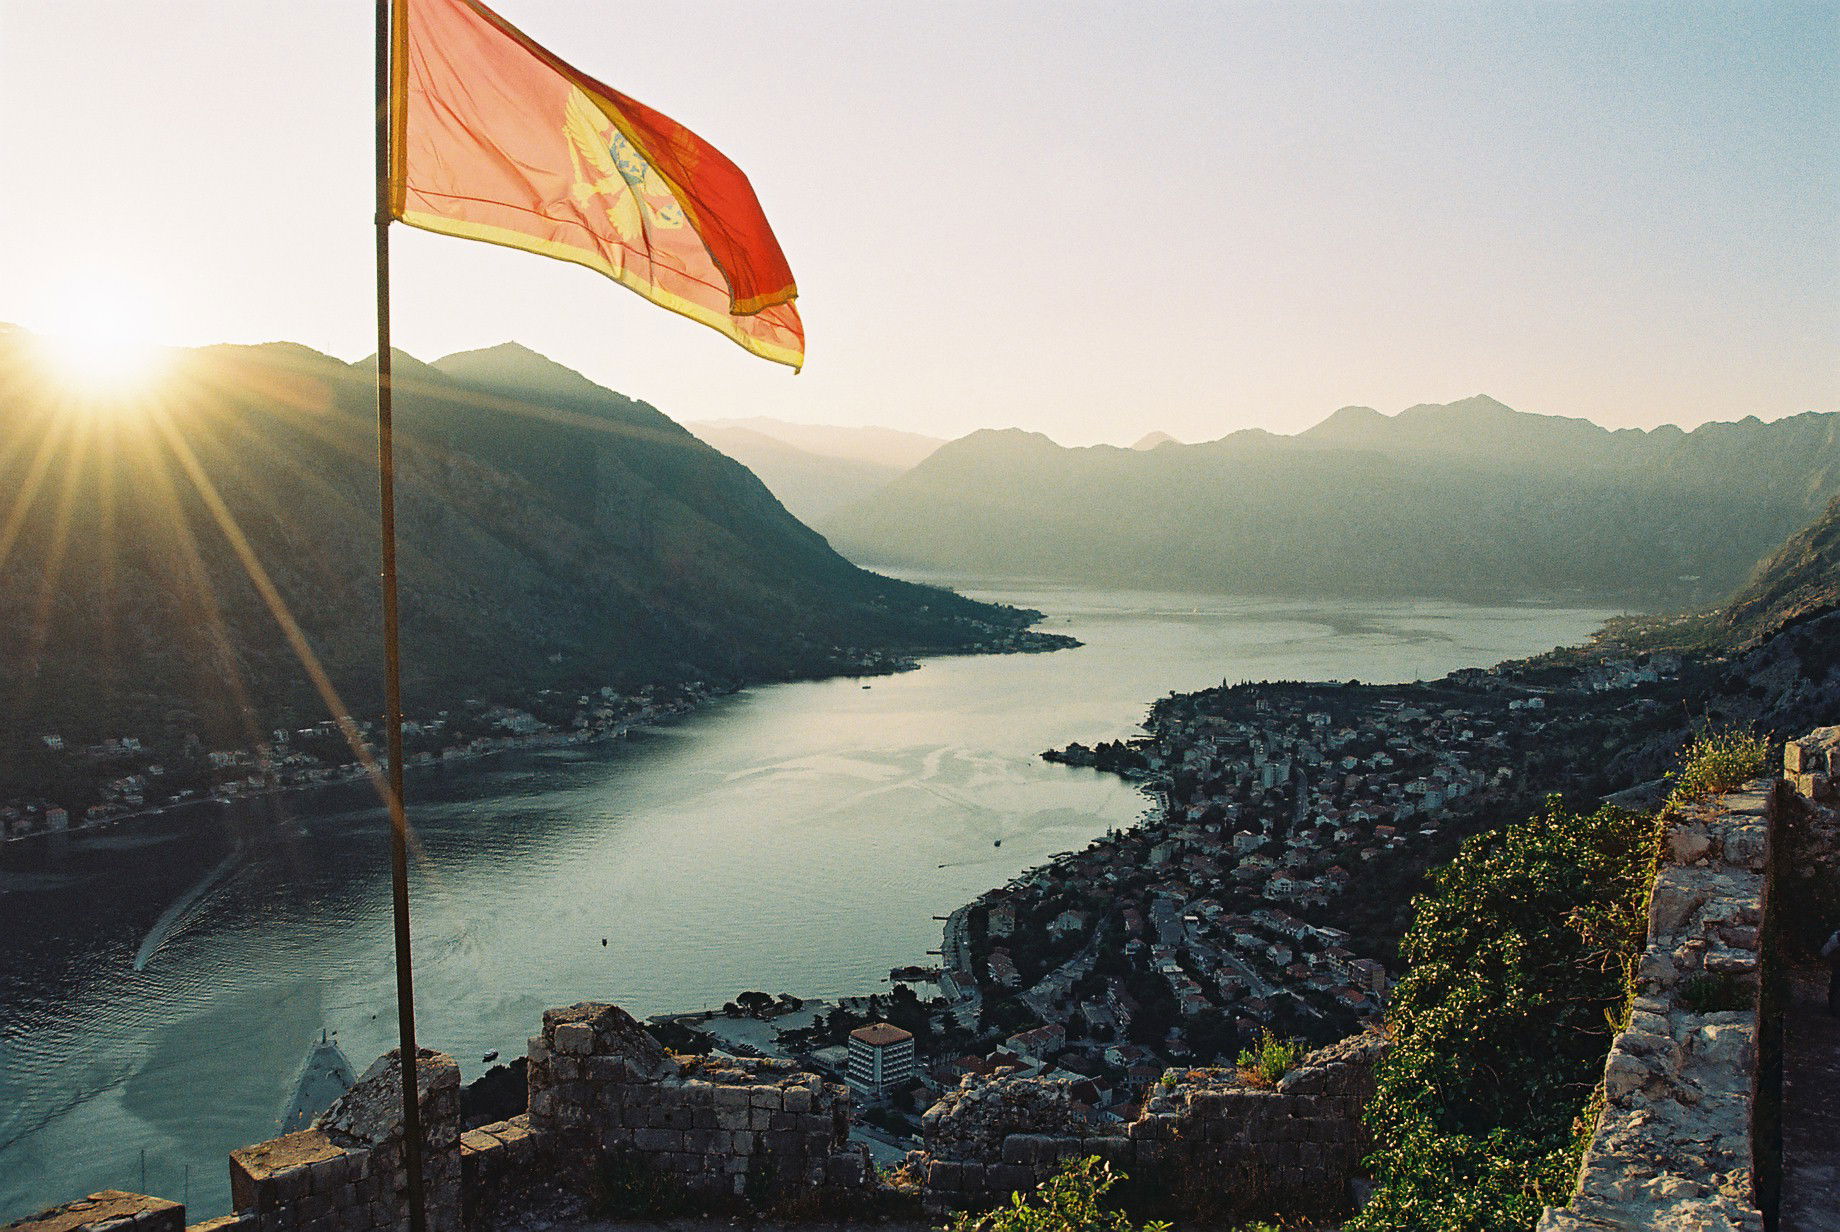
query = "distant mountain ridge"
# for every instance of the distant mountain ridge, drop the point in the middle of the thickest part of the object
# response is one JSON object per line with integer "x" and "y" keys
{"x": 876, "y": 446}
{"x": 1470, "y": 498}
{"x": 814, "y": 469}
{"x": 554, "y": 534}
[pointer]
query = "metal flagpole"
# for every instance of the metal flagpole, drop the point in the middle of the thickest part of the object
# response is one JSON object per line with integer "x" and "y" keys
{"x": 392, "y": 651}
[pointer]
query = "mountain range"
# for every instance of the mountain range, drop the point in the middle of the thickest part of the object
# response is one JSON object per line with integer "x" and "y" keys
{"x": 816, "y": 469}
{"x": 1466, "y": 499}
{"x": 554, "y": 534}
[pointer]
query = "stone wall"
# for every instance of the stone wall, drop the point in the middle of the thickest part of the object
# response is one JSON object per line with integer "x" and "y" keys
{"x": 1673, "y": 1145}
{"x": 1807, "y": 879}
{"x": 603, "y": 1089}
{"x": 604, "y": 1098}
{"x": 347, "y": 1174}
{"x": 111, "y": 1210}
{"x": 1209, "y": 1144}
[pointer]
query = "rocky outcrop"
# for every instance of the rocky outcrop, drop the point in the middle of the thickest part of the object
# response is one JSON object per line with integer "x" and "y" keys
{"x": 1673, "y": 1145}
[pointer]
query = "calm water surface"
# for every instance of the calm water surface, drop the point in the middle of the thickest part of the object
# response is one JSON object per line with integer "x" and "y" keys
{"x": 795, "y": 838}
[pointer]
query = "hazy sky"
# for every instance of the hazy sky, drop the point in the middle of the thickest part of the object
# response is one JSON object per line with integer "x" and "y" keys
{"x": 1090, "y": 220}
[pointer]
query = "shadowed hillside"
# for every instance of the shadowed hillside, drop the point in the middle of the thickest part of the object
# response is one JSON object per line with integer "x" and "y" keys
{"x": 1798, "y": 581}
{"x": 554, "y": 534}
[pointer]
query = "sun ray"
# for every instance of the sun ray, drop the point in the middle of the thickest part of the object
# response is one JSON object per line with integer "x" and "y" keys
{"x": 28, "y": 490}
{"x": 290, "y": 628}
{"x": 57, "y": 543}
{"x": 202, "y": 599}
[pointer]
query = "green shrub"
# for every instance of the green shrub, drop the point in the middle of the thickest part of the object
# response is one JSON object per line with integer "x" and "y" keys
{"x": 1068, "y": 1201}
{"x": 1518, "y": 966}
{"x": 1716, "y": 760}
{"x": 1270, "y": 1058}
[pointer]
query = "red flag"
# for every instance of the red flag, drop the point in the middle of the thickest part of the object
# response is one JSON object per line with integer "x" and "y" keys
{"x": 498, "y": 140}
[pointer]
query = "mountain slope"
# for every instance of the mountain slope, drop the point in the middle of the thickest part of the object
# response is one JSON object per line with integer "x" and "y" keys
{"x": 554, "y": 534}
{"x": 810, "y": 485}
{"x": 1798, "y": 581}
{"x": 884, "y": 447}
{"x": 1466, "y": 499}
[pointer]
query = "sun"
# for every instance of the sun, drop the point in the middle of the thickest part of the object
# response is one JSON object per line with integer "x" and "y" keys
{"x": 95, "y": 343}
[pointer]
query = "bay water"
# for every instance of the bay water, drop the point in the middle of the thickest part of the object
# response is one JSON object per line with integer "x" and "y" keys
{"x": 161, "y": 981}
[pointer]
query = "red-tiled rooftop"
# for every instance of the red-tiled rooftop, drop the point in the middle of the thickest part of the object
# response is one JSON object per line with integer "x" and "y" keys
{"x": 881, "y": 1034}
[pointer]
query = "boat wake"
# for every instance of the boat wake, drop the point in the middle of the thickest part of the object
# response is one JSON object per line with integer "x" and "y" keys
{"x": 182, "y": 907}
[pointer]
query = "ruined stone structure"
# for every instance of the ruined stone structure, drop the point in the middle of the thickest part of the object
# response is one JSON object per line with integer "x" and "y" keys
{"x": 1674, "y": 1146}
{"x": 763, "y": 1129}
{"x": 347, "y": 1172}
{"x": 603, "y": 1093}
{"x": 1210, "y": 1141}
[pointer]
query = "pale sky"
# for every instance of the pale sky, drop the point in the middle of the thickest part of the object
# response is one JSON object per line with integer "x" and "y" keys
{"x": 1090, "y": 220}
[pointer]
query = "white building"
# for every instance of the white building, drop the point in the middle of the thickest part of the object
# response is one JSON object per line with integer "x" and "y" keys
{"x": 881, "y": 1056}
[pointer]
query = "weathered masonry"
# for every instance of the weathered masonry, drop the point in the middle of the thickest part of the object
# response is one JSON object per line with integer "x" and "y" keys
{"x": 1211, "y": 1142}
{"x": 601, "y": 1090}
{"x": 1675, "y": 1146}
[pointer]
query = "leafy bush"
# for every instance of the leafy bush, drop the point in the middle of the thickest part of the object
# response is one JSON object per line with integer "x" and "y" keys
{"x": 1519, "y": 959}
{"x": 1068, "y": 1201}
{"x": 1269, "y": 1059}
{"x": 1718, "y": 759}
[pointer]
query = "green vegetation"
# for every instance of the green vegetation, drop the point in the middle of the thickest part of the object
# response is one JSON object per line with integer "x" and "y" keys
{"x": 1270, "y": 1058}
{"x": 1716, "y": 760}
{"x": 1519, "y": 960}
{"x": 1069, "y": 1201}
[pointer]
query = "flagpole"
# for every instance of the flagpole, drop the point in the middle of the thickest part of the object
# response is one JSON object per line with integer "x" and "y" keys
{"x": 392, "y": 651}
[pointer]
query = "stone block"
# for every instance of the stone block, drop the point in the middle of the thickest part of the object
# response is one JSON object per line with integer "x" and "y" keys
{"x": 847, "y": 1170}
{"x": 1688, "y": 843}
{"x": 653, "y": 1139}
{"x": 797, "y": 1099}
{"x": 730, "y": 1097}
{"x": 107, "y": 1210}
{"x": 271, "y": 1173}
{"x": 765, "y": 1097}
{"x": 238, "y": 1221}
{"x": 1747, "y": 847}
{"x": 1677, "y": 895}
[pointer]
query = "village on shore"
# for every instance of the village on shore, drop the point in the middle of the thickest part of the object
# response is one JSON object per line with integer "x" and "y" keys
{"x": 1263, "y": 892}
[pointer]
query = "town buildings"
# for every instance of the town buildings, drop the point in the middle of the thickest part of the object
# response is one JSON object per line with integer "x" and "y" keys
{"x": 881, "y": 1056}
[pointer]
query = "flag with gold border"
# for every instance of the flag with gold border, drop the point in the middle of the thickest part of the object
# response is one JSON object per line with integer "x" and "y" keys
{"x": 496, "y": 139}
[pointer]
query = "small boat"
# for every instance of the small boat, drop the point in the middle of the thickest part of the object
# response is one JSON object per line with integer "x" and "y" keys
{"x": 490, "y": 1056}
{"x": 998, "y": 843}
